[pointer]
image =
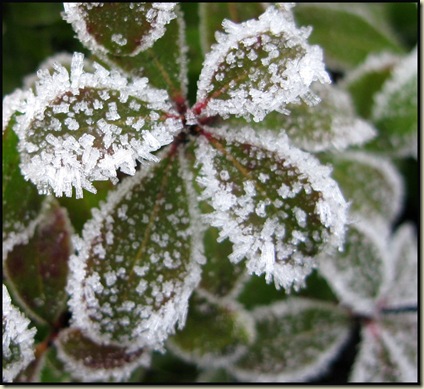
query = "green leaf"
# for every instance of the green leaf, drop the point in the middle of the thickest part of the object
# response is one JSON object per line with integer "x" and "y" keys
{"x": 277, "y": 214}
{"x": 388, "y": 351}
{"x": 88, "y": 361}
{"x": 52, "y": 369}
{"x": 296, "y": 340}
{"x": 401, "y": 282}
{"x": 18, "y": 339}
{"x": 331, "y": 124}
{"x": 85, "y": 126}
{"x": 364, "y": 81}
{"x": 356, "y": 274}
{"x": 212, "y": 15}
{"x": 216, "y": 332}
{"x": 37, "y": 270}
{"x": 395, "y": 112}
{"x": 119, "y": 28}
{"x": 220, "y": 277}
{"x": 21, "y": 202}
{"x": 348, "y": 33}
{"x": 257, "y": 67}
{"x": 138, "y": 259}
{"x": 371, "y": 184}
{"x": 164, "y": 64}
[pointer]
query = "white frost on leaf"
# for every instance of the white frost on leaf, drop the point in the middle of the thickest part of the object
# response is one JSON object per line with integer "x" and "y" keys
{"x": 281, "y": 67}
{"x": 113, "y": 364}
{"x": 297, "y": 339}
{"x": 400, "y": 288}
{"x": 134, "y": 294}
{"x": 18, "y": 340}
{"x": 72, "y": 133}
{"x": 357, "y": 273}
{"x": 156, "y": 15}
{"x": 258, "y": 217}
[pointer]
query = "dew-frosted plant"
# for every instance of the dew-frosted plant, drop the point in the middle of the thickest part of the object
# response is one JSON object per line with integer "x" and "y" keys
{"x": 151, "y": 223}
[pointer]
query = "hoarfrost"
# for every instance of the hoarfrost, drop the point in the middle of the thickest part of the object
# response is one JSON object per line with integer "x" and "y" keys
{"x": 18, "y": 340}
{"x": 94, "y": 152}
{"x": 160, "y": 297}
{"x": 282, "y": 67}
{"x": 280, "y": 248}
{"x": 152, "y": 16}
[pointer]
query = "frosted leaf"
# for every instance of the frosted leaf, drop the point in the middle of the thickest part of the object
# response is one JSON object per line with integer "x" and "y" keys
{"x": 119, "y": 28}
{"x": 164, "y": 64}
{"x": 83, "y": 127}
{"x": 278, "y": 68}
{"x": 133, "y": 294}
{"x": 297, "y": 339}
{"x": 356, "y": 31}
{"x": 372, "y": 184}
{"x": 89, "y": 361}
{"x": 328, "y": 124}
{"x": 216, "y": 333}
{"x": 382, "y": 356}
{"x": 277, "y": 214}
{"x": 364, "y": 81}
{"x": 40, "y": 287}
{"x": 21, "y": 202}
{"x": 357, "y": 273}
{"x": 18, "y": 339}
{"x": 401, "y": 285}
{"x": 395, "y": 112}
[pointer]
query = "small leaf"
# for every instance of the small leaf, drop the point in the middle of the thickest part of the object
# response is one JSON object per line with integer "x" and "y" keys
{"x": 381, "y": 356}
{"x": 89, "y": 361}
{"x": 257, "y": 67}
{"x": 164, "y": 64}
{"x": 119, "y": 28}
{"x": 212, "y": 14}
{"x": 215, "y": 333}
{"x": 18, "y": 339}
{"x": 138, "y": 260}
{"x": 371, "y": 184}
{"x": 357, "y": 30}
{"x": 296, "y": 340}
{"x": 401, "y": 284}
{"x": 364, "y": 81}
{"x": 357, "y": 273}
{"x": 21, "y": 202}
{"x": 52, "y": 369}
{"x": 83, "y": 127}
{"x": 395, "y": 112}
{"x": 277, "y": 214}
{"x": 37, "y": 271}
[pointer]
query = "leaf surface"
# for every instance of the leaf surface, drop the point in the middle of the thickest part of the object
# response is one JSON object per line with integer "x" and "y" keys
{"x": 277, "y": 214}
{"x": 18, "y": 339}
{"x": 85, "y": 126}
{"x": 257, "y": 67}
{"x": 21, "y": 202}
{"x": 357, "y": 273}
{"x": 119, "y": 28}
{"x": 296, "y": 340}
{"x": 215, "y": 333}
{"x": 37, "y": 271}
{"x": 138, "y": 260}
{"x": 89, "y": 361}
{"x": 372, "y": 184}
{"x": 395, "y": 112}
